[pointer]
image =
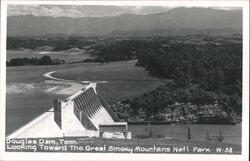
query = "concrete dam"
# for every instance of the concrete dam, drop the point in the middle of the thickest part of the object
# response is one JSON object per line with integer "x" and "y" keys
{"x": 83, "y": 114}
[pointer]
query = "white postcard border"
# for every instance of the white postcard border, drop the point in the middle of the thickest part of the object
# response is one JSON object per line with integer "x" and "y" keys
{"x": 114, "y": 156}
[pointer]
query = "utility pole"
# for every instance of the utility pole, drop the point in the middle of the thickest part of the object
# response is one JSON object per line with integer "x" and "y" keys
{"x": 189, "y": 133}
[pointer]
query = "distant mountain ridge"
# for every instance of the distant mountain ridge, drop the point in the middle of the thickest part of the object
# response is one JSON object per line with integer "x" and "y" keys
{"x": 174, "y": 32}
{"x": 194, "y": 20}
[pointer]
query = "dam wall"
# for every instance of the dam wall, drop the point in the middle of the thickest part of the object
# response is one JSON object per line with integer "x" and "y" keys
{"x": 81, "y": 114}
{"x": 42, "y": 126}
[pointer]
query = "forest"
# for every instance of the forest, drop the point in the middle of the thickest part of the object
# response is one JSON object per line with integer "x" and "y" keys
{"x": 45, "y": 60}
{"x": 206, "y": 84}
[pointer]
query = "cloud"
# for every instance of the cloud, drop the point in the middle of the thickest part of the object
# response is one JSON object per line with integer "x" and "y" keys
{"x": 86, "y": 11}
{"x": 146, "y": 9}
{"x": 38, "y": 10}
{"x": 80, "y": 11}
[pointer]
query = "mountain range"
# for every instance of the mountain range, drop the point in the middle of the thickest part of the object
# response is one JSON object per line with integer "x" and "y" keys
{"x": 176, "y": 21}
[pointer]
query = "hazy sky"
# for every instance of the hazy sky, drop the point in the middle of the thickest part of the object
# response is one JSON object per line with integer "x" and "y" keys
{"x": 83, "y": 11}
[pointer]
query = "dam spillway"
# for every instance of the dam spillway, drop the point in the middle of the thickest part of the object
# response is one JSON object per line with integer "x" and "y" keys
{"x": 87, "y": 105}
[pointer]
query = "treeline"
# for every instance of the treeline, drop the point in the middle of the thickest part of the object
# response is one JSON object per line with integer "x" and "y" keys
{"x": 128, "y": 49}
{"x": 45, "y": 60}
{"x": 58, "y": 44}
{"x": 206, "y": 88}
{"x": 122, "y": 50}
{"x": 180, "y": 105}
{"x": 216, "y": 68}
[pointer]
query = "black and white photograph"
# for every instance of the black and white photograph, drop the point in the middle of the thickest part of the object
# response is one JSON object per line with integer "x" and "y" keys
{"x": 142, "y": 79}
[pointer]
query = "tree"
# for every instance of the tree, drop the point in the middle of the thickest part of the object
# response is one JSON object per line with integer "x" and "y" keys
{"x": 45, "y": 60}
